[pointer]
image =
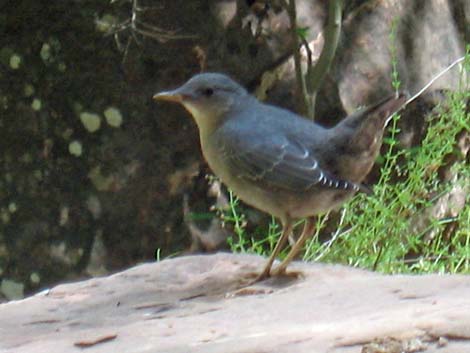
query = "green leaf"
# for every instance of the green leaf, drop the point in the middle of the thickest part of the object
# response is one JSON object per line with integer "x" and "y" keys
{"x": 302, "y": 32}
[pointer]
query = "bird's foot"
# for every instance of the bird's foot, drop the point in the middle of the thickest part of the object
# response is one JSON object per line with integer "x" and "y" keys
{"x": 277, "y": 278}
{"x": 249, "y": 290}
{"x": 276, "y": 272}
{"x": 253, "y": 278}
{"x": 248, "y": 286}
{"x": 282, "y": 272}
{"x": 263, "y": 275}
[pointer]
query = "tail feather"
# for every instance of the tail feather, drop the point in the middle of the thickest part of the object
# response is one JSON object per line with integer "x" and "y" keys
{"x": 366, "y": 126}
{"x": 382, "y": 110}
{"x": 359, "y": 137}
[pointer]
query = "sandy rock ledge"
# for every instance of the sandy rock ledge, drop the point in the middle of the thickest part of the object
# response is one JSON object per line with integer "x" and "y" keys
{"x": 198, "y": 304}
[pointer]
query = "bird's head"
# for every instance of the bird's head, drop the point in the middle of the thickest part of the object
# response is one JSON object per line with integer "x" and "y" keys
{"x": 208, "y": 97}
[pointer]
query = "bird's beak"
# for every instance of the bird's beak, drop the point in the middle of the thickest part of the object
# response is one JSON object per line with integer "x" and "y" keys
{"x": 171, "y": 96}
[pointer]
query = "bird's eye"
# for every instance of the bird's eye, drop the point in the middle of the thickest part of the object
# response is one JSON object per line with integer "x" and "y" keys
{"x": 208, "y": 92}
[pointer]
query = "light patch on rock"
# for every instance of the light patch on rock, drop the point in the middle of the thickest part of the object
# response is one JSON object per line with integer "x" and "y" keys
{"x": 35, "y": 278}
{"x": 15, "y": 61}
{"x": 12, "y": 207}
{"x": 113, "y": 117}
{"x": 36, "y": 104}
{"x": 75, "y": 148}
{"x": 90, "y": 121}
{"x": 96, "y": 265}
{"x": 94, "y": 206}
{"x": 106, "y": 23}
{"x": 12, "y": 290}
{"x": 5, "y": 216}
{"x": 67, "y": 256}
{"x": 45, "y": 52}
{"x": 64, "y": 215}
{"x": 28, "y": 90}
{"x": 100, "y": 181}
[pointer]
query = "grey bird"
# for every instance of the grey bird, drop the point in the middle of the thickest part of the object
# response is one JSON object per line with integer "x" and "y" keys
{"x": 277, "y": 161}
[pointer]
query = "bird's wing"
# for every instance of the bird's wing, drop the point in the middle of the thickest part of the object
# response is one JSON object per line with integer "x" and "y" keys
{"x": 277, "y": 162}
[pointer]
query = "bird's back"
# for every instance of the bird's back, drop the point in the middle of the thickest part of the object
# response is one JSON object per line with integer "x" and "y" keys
{"x": 267, "y": 121}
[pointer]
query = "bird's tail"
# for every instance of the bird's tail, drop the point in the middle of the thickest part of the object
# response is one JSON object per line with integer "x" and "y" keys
{"x": 381, "y": 110}
{"x": 366, "y": 125}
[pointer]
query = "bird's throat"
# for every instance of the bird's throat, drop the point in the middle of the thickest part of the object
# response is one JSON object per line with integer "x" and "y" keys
{"x": 206, "y": 121}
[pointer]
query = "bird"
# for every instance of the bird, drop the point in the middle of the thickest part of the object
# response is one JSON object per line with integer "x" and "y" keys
{"x": 278, "y": 161}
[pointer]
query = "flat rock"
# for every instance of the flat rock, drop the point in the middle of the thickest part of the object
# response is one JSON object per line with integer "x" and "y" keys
{"x": 199, "y": 304}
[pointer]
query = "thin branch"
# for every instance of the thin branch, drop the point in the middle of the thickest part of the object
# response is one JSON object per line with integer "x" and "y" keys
{"x": 308, "y": 50}
{"x": 138, "y": 26}
{"x": 316, "y": 75}
{"x": 156, "y": 33}
{"x": 116, "y": 29}
{"x": 434, "y": 79}
{"x": 139, "y": 8}
{"x": 300, "y": 79}
{"x": 309, "y": 84}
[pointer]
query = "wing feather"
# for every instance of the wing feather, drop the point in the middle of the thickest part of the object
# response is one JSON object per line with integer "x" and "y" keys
{"x": 280, "y": 163}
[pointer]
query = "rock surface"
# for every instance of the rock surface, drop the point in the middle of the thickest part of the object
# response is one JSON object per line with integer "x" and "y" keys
{"x": 198, "y": 304}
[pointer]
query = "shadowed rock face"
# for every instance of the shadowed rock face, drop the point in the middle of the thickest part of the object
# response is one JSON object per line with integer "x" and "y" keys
{"x": 196, "y": 304}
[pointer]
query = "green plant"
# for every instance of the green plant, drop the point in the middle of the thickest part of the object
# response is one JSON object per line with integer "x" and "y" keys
{"x": 381, "y": 232}
{"x": 261, "y": 242}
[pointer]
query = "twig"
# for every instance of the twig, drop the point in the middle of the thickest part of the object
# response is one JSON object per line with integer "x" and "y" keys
{"x": 153, "y": 32}
{"x": 434, "y": 79}
{"x": 308, "y": 50}
{"x": 138, "y": 26}
{"x": 429, "y": 84}
{"x": 309, "y": 84}
{"x": 301, "y": 87}
{"x": 327, "y": 245}
{"x": 316, "y": 75}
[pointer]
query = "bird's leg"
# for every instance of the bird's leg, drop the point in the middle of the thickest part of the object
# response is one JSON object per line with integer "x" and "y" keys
{"x": 287, "y": 226}
{"x": 306, "y": 233}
